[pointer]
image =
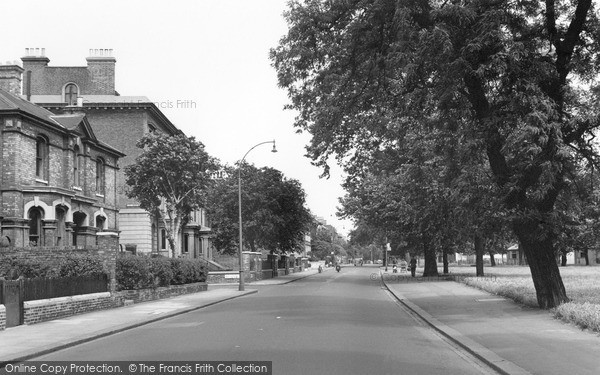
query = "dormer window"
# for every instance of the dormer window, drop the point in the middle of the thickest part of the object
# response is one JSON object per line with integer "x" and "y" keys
{"x": 71, "y": 93}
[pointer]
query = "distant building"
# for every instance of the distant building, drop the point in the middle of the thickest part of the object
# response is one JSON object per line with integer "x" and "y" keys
{"x": 58, "y": 181}
{"x": 119, "y": 121}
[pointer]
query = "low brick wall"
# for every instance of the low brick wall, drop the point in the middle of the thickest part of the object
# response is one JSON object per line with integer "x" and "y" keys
{"x": 282, "y": 272}
{"x": 232, "y": 277}
{"x": 143, "y": 295}
{"x": 223, "y": 277}
{"x": 54, "y": 308}
{"x": 2, "y": 317}
{"x": 267, "y": 274}
{"x": 48, "y": 309}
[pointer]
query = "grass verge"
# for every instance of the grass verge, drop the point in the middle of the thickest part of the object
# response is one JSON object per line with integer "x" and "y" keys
{"x": 581, "y": 283}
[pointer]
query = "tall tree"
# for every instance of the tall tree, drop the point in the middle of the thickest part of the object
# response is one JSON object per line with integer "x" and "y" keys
{"x": 170, "y": 179}
{"x": 273, "y": 211}
{"x": 360, "y": 73}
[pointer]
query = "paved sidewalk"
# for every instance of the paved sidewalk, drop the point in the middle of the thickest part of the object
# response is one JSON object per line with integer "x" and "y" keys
{"x": 512, "y": 338}
{"x": 29, "y": 341}
{"x": 291, "y": 277}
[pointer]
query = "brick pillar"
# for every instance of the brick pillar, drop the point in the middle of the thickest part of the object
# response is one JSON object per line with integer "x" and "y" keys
{"x": 86, "y": 236}
{"x": 49, "y": 232}
{"x": 17, "y": 230}
{"x": 108, "y": 247}
{"x": 68, "y": 240}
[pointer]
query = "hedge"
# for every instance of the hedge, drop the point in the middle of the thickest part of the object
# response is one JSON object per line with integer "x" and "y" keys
{"x": 65, "y": 265}
{"x": 139, "y": 272}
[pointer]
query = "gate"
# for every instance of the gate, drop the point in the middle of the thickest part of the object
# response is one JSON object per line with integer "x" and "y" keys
{"x": 12, "y": 299}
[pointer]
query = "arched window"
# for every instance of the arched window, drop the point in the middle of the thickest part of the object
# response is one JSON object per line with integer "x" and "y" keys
{"x": 41, "y": 158}
{"x": 71, "y": 93}
{"x": 100, "y": 221}
{"x": 79, "y": 221}
{"x": 35, "y": 226}
{"x": 100, "y": 176}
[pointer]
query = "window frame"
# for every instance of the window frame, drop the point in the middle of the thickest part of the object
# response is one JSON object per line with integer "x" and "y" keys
{"x": 76, "y": 167}
{"x": 37, "y": 214}
{"x": 42, "y": 156}
{"x": 69, "y": 96}
{"x": 100, "y": 177}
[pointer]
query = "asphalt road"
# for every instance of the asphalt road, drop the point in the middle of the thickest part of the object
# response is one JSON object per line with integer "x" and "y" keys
{"x": 329, "y": 323}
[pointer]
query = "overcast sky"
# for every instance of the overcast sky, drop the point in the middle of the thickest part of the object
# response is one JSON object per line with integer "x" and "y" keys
{"x": 210, "y": 56}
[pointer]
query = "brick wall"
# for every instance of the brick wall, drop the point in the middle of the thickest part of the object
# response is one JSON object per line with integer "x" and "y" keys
{"x": 121, "y": 129}
{"x": 98, "y": 78}
{"x": 231, "y": 277}
{"x": 54, "y": 308}
{"x": 2, "y": 317}
{"x": 143, "y": 295}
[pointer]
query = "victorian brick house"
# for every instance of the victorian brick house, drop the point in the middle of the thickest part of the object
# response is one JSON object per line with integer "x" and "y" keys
{"x": 58, "y": 181}
{"x": 118, "y": 121}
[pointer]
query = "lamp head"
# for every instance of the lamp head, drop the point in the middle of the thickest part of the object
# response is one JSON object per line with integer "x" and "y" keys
{"x": 274, "y": 148}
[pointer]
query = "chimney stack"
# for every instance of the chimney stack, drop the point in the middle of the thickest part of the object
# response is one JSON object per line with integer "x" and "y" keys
{"x": 11, "y": 77}
{"x": 101, "y": 66}
{"x": 35, "y": 56}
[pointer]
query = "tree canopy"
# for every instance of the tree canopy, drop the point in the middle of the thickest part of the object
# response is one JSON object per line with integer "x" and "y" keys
{"x": 273, "y": 211}
{"x": 170, "y": 179}
{"x": 515, "y": 82}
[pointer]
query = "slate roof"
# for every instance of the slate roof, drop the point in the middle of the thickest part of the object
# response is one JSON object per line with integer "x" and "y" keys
{"x": 69, "y": 122}
{"x": 12, "y": 102}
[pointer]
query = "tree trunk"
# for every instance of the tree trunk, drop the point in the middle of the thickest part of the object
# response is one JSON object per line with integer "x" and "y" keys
{"x": 587, "y": 257}
{"x": 521, "y": 258}
{"x": 492, "y": 259}
{"x": 563, "y": 257}
{"x": 430, "y": 259}
{"x": 479, "y": 254}
{"x": 172, "y": 229}
{"x": 546, "y": 277}
{"x": 445, "y": 260}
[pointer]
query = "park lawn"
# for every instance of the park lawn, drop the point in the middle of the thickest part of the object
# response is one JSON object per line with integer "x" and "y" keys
{"x": 581, "y": 283}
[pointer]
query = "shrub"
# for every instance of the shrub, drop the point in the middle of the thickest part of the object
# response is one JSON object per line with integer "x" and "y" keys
{"x": 187, "y": 271}
{"x": 139, "y": 272}
{"x": 12, "y": 267}
{"x": 179, "y": 272}
{"x": 161, "y": 271}
{"x": 80, "y": 265}
{"x": 133, "y": 272}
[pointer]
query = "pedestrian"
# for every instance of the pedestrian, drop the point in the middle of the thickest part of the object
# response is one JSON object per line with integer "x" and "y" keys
{"x": 413, "y": 266}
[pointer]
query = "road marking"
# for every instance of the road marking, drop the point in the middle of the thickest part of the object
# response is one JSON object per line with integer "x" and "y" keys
{"x": 490, "y": 299}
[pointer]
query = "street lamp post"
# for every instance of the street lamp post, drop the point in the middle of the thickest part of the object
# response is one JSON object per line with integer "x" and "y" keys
{"x": 241, "y": 260}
